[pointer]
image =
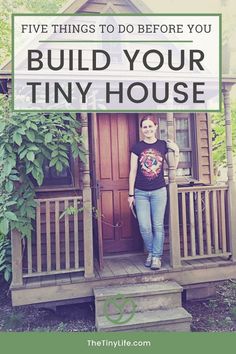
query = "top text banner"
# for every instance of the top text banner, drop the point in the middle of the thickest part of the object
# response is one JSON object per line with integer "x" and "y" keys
{"x": 117, "y": 62}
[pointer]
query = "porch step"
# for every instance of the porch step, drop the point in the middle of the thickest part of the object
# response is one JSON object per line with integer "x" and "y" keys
{"x": 146, "y": 306}
{"x": 146, "y": 296}
{"x": 171, "y": 320}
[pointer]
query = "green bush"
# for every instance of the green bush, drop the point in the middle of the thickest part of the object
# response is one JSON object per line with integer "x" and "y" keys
{"x": 27, "y": 142}
{"x": 218, "y": 136}
{"x": 5, "y": 258}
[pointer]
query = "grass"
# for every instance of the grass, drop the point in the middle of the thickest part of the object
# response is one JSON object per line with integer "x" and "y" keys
{"x": 217, "y": 314}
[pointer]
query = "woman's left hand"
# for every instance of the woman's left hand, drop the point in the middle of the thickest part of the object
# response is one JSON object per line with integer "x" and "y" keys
{"x": 131, "y": 201}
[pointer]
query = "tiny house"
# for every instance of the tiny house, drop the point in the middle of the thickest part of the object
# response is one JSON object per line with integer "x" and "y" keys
{"x": 67, "y": 258}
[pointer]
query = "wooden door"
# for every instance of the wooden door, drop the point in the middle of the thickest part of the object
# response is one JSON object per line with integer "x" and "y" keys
{"x": 118, "y": 229}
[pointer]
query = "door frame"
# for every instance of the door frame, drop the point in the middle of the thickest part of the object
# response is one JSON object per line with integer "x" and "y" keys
{"x": 96, "y": 200}
{"x": 95, "y": 175}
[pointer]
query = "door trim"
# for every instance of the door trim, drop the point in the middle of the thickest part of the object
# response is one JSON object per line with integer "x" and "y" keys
{"x": 96, "y": 188}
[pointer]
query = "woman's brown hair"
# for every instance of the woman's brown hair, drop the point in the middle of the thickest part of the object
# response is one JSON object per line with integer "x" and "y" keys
{"x": 148, "y": 117}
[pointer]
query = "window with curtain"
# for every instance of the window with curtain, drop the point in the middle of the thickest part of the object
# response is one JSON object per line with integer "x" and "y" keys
{"x": 183, "y": 137}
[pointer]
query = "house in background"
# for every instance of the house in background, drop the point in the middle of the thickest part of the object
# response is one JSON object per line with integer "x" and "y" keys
{"x": 68, "y": 258}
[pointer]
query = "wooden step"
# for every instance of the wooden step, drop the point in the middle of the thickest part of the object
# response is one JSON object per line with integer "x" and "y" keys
{"x": 170, "y": 320}
{"x": 145, "y": 296}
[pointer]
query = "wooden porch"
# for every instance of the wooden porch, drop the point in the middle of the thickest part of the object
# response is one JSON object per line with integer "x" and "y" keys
{"x": 51, "y": 266}
{"x": 73, "y": 287}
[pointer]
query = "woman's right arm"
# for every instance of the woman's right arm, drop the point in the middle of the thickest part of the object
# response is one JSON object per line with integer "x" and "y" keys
{"x": 132, "y": 176}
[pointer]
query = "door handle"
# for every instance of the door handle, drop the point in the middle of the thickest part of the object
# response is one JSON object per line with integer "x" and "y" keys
{"x": 118, "y": 224}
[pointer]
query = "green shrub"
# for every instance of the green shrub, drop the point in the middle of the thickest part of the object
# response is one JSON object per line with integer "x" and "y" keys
{"x": 27, "y": 142}
{"x": 5, "y": 258}
{"x": 218, "y": 136}
{"x": 13, "y": 321}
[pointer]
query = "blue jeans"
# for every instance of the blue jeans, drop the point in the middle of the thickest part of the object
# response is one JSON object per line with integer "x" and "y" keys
{"x": 150, "y": 208}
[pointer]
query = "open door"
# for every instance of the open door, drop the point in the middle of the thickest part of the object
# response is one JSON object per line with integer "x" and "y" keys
{"x": 114, "y": 135}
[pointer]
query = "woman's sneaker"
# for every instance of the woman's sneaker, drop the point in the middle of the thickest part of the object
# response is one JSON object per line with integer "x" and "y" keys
{"x": 148, "y": 261}
{"x": 156, "y": 263}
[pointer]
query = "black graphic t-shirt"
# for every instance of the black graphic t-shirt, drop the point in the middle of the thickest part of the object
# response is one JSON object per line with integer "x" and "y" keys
{"x": 150, "y": 173}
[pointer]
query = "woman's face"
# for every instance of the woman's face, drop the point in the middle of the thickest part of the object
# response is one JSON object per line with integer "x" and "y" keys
{"x": 149, "y": 128}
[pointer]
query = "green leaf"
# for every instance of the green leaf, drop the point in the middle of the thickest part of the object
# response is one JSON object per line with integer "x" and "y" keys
{"x": 7, "y": 275}
{"x": 82, "y": 148}
{"x": 63, "y": 153}
{"x": 29, "y": 169}
{"x": 12, "y": 202}
{"x": 9, "y": 148}
{"x": 17, "y": 138}
{"x": 64, "y": 161}
{"x": 30, "y": 156}
{"x": 22, "y": 154}
{"x": 21, "y": 131}
{"x": 30, "y": 135}
{"x": 40, "y": 178}
{"x": 33, "y": 148}
{"x": 64, "y": 147}
{"x": 30, "y": 212}
{"x": 14, "y": 178}
{"x": 28, "y": 123}
{"x": 38, "y": 175}
{"x": 48, "y": 138}
{"x": 45, "y": 153}
{"x": 53, "y": 161}
{"x": 37, "y": 163}
{"x": 59, "y": 166}
{"x": 4, "y": 226}
{"x": 55, "y": 153}
{"x": 9, "y": 186}
{"x": 11, "y": 216}
{"x": 2, "y": 126}
{"x": 33, "y": 126}
{"x": 12, "y": 160}
{"x": 20, "y": 149}
{"x": 7, "y": 169}
{"x": 82, "y": 156}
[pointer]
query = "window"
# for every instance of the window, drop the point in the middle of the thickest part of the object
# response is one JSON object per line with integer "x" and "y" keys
{"x": 68, "y": 178}
{"x": 52, "y": 177}
{"x": 184, "y": 137}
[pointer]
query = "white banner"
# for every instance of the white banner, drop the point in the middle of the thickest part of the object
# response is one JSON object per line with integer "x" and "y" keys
{"x": 117, "y": 63}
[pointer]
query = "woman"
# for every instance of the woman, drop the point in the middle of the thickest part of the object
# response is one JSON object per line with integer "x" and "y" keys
{"x": 147, "y": 188}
